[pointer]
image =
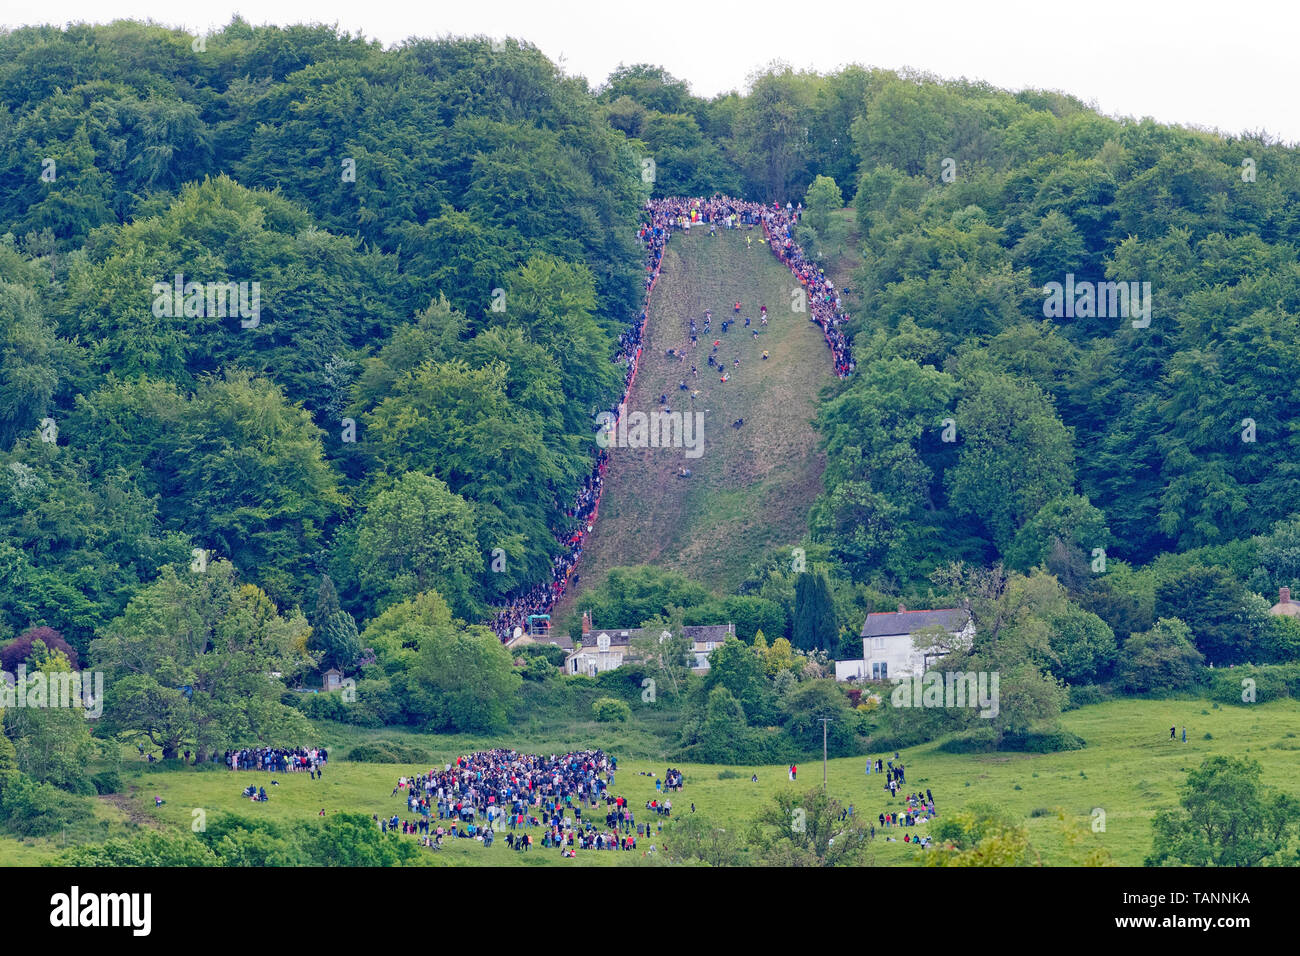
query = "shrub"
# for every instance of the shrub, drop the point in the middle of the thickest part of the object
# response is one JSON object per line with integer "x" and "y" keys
{"x": 608, "y": 710}
{"x": 145, "y": 849}
{"x": 389, "y": 751}
{"x": 376, "y": 705}
{"x": 107, "y": 781}
{"x": 548, "y": 652}
{"x": 1272, "y": 682}
{"x": 975, "y": 741}
{"x": 986, "y": 740}
{"x": 1083, "y": 695}
{"x": 20, "y": 648}
{"x": 323, "y": 706}
{"x": 1046, "y": 742}
{"x": 1160, "y": 660}
{"x": 538, "y": 668}
{"x": 38, "y": 809}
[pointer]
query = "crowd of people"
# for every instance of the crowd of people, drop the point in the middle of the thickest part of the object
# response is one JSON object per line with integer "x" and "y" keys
{"x": 558, "y": 802}
{"x": 918, "y": 808}
{"x": 662, "y": 216}
{"x": 278, "y": 759}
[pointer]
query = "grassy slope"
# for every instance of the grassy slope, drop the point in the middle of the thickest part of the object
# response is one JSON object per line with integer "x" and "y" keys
{"x": 1130, "y": 770}
{"x": 753, "y": 486}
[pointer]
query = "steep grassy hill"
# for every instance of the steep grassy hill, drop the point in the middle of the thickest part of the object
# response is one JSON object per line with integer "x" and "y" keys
{"x": 753, "y": 485}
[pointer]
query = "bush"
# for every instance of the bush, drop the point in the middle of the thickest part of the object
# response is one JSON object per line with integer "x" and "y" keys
{"x": 389, "y": 751}
{"x": 376, "y": 705}
{"x": 107, "y": 781}
{"x": 899, "y": 739}
{"x": 608, "y": 710}
{"x": 985, "y": 740}
{"x": 750, "y": 746}
{"x": 976, "y": 741}
{"x": 548, "y": 652}
{"x": 1046, "y": 742}
{"x": 1272, "y": 682}
{"x": 323, "y": 706}
{"x": 38, "y": 809}
{"x": 145, "y": 849}
{"x": 19, "y": 650}
{"x": 1160, "y": 660}
{"x": 622, "y": 681}
{"x": 538, "y": 669}
{"x": 1083, "y": 695}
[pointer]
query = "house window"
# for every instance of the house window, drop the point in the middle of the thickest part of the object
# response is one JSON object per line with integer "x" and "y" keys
{"x": 879, "y": 670}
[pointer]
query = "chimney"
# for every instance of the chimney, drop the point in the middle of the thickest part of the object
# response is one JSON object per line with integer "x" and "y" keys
{"x": 1284, "y": 595}
{"x": 901, "y": 609}
{"x": 586, "y": 623}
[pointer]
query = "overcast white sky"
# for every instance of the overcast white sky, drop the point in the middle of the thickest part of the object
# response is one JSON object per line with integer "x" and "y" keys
{"x": 1225, "y": 64}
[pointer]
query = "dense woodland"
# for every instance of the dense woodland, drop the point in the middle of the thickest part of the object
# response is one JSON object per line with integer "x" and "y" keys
{"x": 444, "y": 237}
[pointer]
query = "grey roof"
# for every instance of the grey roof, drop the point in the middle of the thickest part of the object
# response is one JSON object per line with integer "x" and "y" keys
{"x": 562, "y": 641}
{"x": 618, "y": 637}
{"x": 909, "y": 622}
{"x": 707, "y": 632}
{"x": 623, "y": 636}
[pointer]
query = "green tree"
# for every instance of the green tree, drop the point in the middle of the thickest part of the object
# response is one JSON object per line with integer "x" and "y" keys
{"x": 694, "y": 837}
{"x": 815, "y": 626}
{"x": 820, "y": 204}
{"x": 1227, "y": 818}
{"x": 1083, "y": 645}
{"x": 1213, "y": 604}
{"x": 1161, "y": 659}
{"x": 805, "y": 829}
{"x": 980, "y": 835}
{"x": 197, "y": 660}
{"x": 353, "y": 839}
{"x": 1015, "y": 455}
{"x": 468, "y": 677}
{"x": 738, "y": 667}
{"x": 52, "y": 742}
{"x": 416, "y": 536}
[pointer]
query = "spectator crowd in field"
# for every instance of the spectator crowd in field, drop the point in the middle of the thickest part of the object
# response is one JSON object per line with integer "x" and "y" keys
{"x": 277, "y": 759}
{"x": 557, "y": 802}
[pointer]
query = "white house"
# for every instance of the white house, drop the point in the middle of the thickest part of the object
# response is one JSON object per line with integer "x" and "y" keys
{"x": 601, "y": 651}
{"x": 888, "y": 650}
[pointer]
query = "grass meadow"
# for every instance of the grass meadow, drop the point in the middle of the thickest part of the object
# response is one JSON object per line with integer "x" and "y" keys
{"x": 1129, "y": 770}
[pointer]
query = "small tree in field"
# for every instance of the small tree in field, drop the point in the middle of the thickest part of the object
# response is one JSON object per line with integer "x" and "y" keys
{"x": 1227, "y": 819}
{"x": 805, "y": 829}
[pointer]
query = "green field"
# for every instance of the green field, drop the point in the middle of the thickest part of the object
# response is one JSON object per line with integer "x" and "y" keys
{"x": 753, "y": 486}
{"x": 1129, "y": 770}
